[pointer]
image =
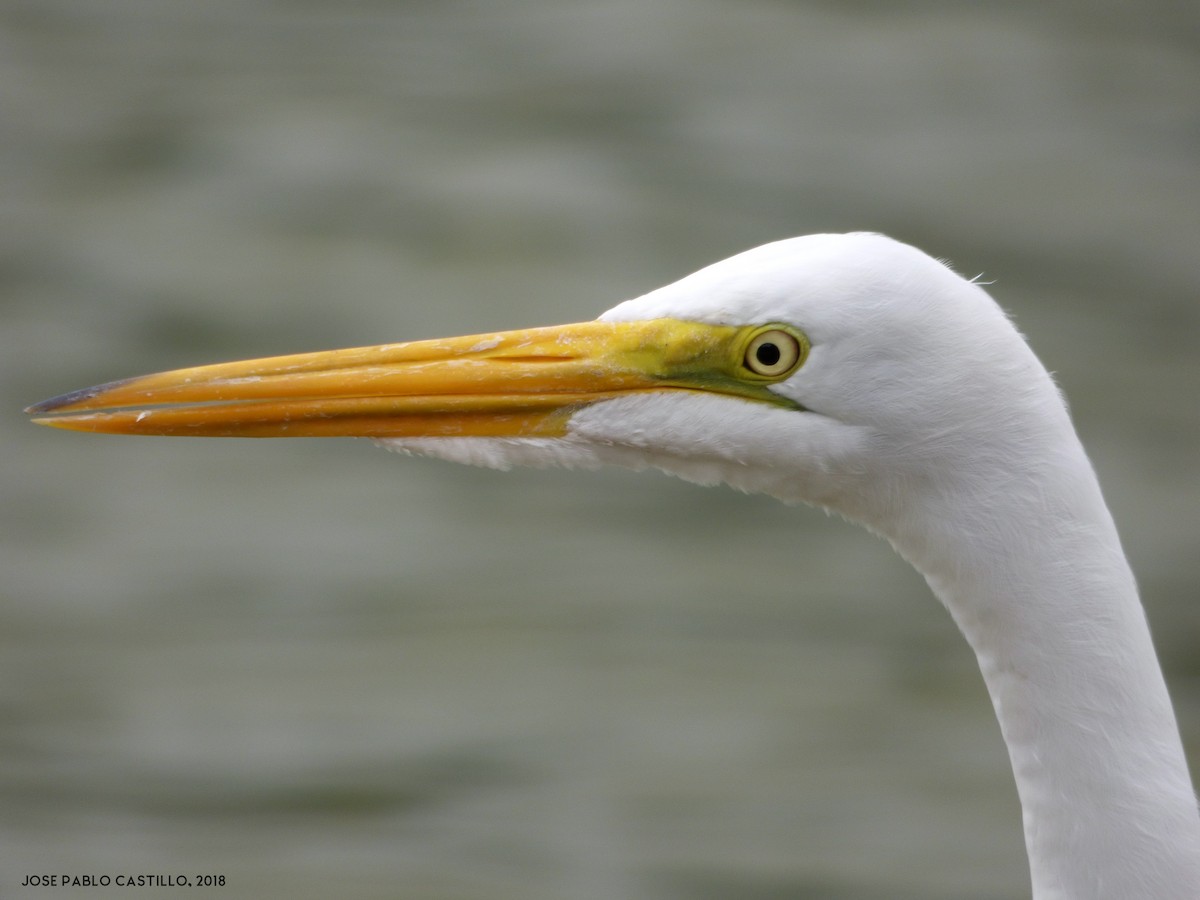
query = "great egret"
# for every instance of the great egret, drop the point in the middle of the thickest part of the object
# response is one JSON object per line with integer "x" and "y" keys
{"x": 847, "y": 371}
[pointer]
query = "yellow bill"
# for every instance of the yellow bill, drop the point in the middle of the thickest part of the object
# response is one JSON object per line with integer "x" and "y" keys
{"x": 516, "y": 383}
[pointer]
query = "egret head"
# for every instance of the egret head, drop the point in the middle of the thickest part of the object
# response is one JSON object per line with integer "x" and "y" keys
{"x": 828, "y": 369}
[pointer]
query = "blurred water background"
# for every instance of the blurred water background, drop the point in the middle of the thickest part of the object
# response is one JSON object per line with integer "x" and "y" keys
{"x": 320, "y": 670}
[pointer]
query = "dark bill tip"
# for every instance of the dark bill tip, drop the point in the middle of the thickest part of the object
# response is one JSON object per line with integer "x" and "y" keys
{"x": 74, "y": 398}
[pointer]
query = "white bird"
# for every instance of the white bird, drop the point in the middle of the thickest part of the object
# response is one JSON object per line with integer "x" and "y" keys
{"x": 847, "y": 371}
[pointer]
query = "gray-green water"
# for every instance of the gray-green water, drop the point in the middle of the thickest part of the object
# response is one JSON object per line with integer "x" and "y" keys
{"x": 319, "y": 670}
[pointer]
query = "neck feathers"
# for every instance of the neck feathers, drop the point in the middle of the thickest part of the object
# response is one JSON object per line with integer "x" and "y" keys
{"x": 1053, "y": 615}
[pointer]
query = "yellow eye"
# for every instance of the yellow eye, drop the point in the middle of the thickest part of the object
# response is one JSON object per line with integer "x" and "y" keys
{"x": 773, "y": 353}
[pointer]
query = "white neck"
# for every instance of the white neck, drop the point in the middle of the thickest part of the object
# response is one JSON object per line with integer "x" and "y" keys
{"x": 1053, "y": 615}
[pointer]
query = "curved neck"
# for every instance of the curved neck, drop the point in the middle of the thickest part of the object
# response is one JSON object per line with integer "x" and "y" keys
{"x": 1053, "y": 615}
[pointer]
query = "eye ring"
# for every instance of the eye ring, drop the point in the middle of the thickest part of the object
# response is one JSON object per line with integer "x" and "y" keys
{"x": 774, "y": 353}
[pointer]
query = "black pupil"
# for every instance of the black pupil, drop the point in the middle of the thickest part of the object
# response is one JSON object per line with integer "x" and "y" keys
{"x": 767, "y": 354}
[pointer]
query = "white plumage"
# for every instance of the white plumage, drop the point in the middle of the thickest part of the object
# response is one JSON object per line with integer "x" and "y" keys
{"x": 930, "y": 421}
